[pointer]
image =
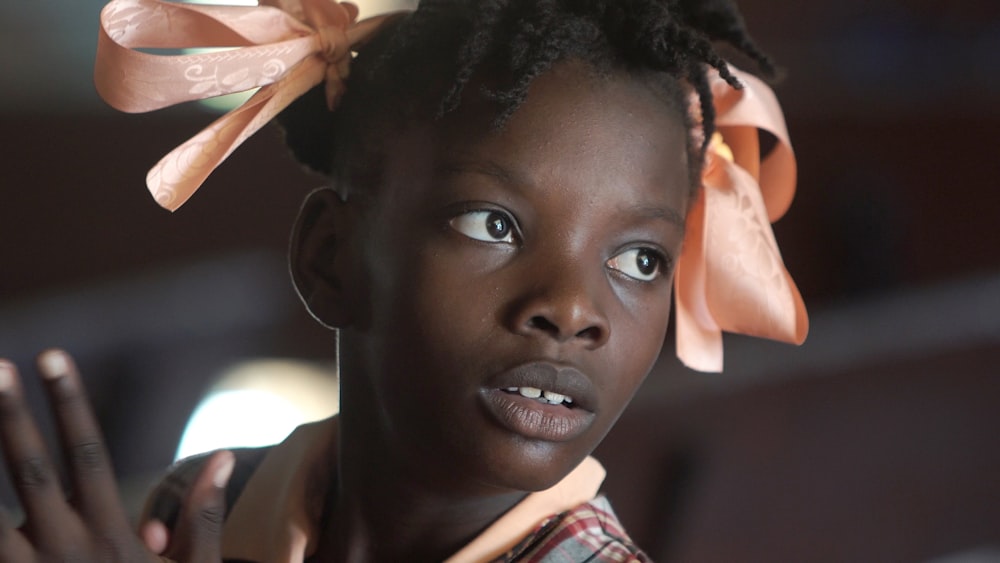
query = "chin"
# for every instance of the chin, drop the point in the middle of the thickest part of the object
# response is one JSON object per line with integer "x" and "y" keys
{"x": 529, "y": 465}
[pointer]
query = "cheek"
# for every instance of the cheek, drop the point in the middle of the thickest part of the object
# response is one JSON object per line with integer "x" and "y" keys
{"x": 439, "y": 301}
{"x": 638, "y": 336}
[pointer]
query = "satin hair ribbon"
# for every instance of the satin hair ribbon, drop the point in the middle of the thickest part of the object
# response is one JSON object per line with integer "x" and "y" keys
{"x": 730, "y": 275}
{"x": 285, "y": 47}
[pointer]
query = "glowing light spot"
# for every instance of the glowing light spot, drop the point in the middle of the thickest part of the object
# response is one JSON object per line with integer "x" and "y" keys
{"x": 232, "y": 419}
{"x": 258, "y": 403}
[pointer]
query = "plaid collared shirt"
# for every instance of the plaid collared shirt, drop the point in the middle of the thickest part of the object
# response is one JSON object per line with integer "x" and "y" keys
{"x": 590, "y": 533}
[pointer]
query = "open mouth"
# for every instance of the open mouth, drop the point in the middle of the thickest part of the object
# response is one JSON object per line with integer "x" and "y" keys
{"x": 536, "y": 414}
{"x": 542, "y": 396}
{"x": 541, "y": 401}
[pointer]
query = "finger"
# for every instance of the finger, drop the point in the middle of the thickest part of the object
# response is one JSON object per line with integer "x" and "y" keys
{"x": 13, "y": 545}
{"x": 94, "y": 488}
{"x": 155, "y": 535}
{"x": 28, "y": 461}
{"x": 198, "y": 533}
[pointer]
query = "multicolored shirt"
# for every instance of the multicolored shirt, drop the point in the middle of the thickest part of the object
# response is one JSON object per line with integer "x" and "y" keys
{"x": 273, "y": 510}
{"x": 591, "y": 532}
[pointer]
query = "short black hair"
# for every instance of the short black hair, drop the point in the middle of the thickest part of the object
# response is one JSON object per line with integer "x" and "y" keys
{"x": 419, "y": 65}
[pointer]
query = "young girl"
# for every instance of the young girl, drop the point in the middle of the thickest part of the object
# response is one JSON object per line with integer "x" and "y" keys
{"x": 514, "y": 188}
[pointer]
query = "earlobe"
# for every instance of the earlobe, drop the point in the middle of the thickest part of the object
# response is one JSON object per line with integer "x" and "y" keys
{"x": 319, "y": 257}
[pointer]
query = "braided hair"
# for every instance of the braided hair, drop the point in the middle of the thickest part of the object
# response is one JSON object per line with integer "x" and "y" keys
{"x": 421, "y": 66}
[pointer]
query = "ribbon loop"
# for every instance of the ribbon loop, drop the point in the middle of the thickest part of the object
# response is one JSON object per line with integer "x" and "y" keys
{"x": 283, "y": 47}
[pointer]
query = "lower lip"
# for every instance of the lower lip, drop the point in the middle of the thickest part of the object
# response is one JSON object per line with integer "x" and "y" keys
{"x": 536, "y": 420}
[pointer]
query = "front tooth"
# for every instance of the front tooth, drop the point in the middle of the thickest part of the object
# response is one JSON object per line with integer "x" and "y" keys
{"x": 530, "y": 392}
{"x": 511, "y": 389}
{"x": 554, "y": 398}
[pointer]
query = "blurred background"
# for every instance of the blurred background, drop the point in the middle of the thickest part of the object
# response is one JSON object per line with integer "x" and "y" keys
{"x": 877, "y": 440}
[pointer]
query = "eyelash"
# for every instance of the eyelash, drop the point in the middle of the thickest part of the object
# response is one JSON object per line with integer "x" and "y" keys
{"x": 476, "y": 224}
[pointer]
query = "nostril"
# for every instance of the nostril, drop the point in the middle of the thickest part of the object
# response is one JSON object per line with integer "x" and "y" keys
{"x": 542, "y": 324}
{"x": 590, "y": 333}
{"x": 539, "y": 322}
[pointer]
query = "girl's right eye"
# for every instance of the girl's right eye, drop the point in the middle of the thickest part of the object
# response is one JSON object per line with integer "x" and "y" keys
{"x": 485, "y": 225}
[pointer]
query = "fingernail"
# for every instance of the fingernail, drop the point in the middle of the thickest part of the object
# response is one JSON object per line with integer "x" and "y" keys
{"x": 224, "y": 471}
{"x": 6, "y": 375}
{"x": 53, "y": 364}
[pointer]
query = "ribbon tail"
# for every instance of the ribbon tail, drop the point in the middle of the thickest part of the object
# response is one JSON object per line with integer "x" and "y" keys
{"x": 748, "y": 289}
{"x": 179, "y": 174}
{"x": 699, "y": 338}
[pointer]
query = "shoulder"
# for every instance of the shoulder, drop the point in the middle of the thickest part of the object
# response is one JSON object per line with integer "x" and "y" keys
{"x": 590, "y": 532}
{"x": 166, "y": 498}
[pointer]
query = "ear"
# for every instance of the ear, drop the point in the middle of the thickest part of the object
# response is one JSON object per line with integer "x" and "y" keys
{"x": 320, "y": 257}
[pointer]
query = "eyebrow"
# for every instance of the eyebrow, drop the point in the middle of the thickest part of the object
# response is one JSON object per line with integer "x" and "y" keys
{"x": 484, "y": 167}
{"x": 667, "y": 214}
{"x": 506, "y": 176}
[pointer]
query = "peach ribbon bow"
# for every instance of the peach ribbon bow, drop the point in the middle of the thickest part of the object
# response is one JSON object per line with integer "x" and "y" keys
{"x": 730, "y": 276}
{"x": 283, "y": 46}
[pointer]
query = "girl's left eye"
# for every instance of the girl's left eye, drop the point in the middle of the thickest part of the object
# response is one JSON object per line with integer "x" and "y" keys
{"x": 485, "y": 225}
{"x": 643, "y": 264}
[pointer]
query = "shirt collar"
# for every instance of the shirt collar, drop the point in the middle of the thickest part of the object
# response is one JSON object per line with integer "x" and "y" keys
{"x": 276, "y": 518}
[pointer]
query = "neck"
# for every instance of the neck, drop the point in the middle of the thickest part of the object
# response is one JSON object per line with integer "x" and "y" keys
{"x": 383, "y": 509}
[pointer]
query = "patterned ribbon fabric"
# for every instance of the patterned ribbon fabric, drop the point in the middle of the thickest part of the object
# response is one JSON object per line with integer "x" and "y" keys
{"x": 284, "y": 46}
{"x": 730, "y": 276}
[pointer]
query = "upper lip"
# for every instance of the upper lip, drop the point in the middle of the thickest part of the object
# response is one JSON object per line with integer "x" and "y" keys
{"x": 548, "y": 376}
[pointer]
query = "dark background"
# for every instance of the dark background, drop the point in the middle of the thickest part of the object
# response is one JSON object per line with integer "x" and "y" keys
{"x": 876, "y": 440}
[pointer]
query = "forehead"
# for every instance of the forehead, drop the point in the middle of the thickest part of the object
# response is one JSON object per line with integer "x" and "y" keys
{"x": 578, "y": 129}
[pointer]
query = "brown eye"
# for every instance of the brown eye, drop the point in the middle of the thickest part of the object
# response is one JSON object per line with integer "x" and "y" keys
{"x": 643, "y": 264}
{"x": 497, "y": 226}
{"x": 485, "y": 225}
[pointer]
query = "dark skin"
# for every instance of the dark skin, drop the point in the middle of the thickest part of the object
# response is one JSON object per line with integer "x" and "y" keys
{"x": 93, "y": 526}
{"x": 482, "y": 251}
{"x": 540, "y": 254}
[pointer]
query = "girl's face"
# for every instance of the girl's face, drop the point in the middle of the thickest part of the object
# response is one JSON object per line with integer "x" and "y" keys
{"x": 498, "y": 266}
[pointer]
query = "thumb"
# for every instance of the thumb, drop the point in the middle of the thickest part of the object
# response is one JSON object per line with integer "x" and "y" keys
{"x": 198, "y": 534}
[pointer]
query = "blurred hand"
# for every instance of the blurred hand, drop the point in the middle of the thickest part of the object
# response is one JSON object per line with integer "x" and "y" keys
{"x": 93, "y": 526}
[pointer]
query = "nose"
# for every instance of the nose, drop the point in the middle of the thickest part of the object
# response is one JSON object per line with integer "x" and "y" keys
{"x": 563, "y": 303}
